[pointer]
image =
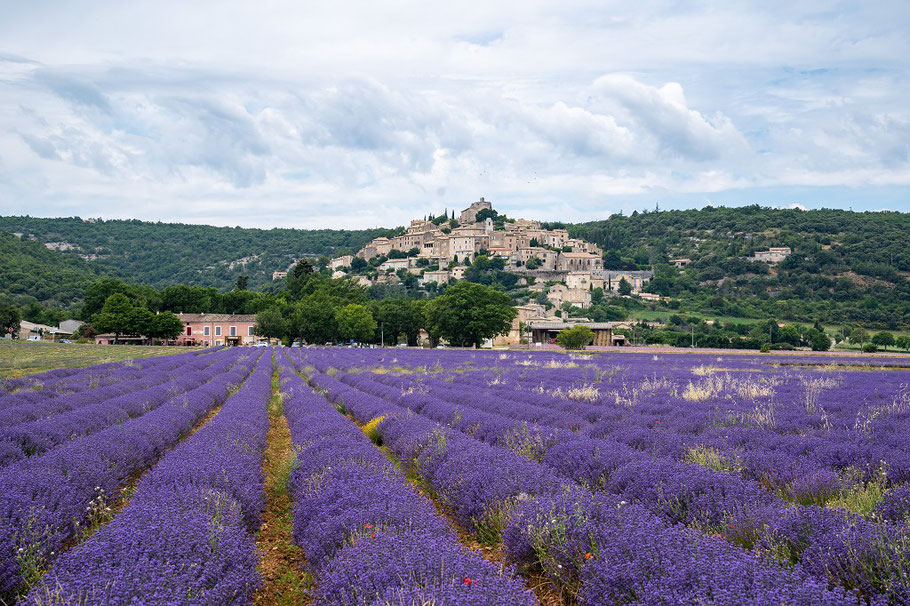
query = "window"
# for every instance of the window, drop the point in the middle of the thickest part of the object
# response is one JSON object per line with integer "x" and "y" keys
{"x": 189, "y": 331}
{"x": 218, "y": 332}
{"x": 217, "y": 341}
{"x": 233, "y": 331}
{"x": 205, "y": 331}
{"x": 249, "y": 331}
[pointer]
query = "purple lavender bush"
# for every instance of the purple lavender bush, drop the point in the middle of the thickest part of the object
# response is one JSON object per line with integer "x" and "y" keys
{"x": 186, "y": 535}
{"x": 368, "y": 536}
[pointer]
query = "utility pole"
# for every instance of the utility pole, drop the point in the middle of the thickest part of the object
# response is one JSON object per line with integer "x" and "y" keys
{"x": 382, "y": 334}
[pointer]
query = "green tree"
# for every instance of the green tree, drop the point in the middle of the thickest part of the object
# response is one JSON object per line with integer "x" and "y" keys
{"x": 468, "y": 314}
{"x": 9, "y": 319}
{"x": 902, "y": 342}
{"x": 577, "y": 337}
{"x": 242, "y": 282}
{"x": 533, "y": 263}
{"x": 244, "y": 302}
{"x": 299, "y": 277}
{"x": 181, "y": 298}
{"x": 397, "y": 317}
{"x": 858, "y": 336}
{"x": 165, "y": 325}
{"x": 271, "y": 323}
{"x": 789, "y": 334}
{"x": 142, "y": 321}
{"x": 86, "y": 331}
{"x": 355, "y": 322}
{"x": 624, "y": 287}
{"x": 486, "y": 213}
{"x": 313, "y": 320}
{"x": 118, "y": 315}
{"x": 97, "y": 294}
{"x": 818, "y": 340}
{"x": 883, "y": 339}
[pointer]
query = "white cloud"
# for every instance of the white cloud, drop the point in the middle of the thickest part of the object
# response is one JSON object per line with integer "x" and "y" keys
{"x": 363, "y": 114}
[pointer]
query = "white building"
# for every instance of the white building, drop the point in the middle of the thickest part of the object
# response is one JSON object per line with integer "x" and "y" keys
{"x": 775, "y": 254}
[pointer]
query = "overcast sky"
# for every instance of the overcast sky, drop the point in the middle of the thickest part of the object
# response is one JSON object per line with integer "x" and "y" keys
{"x": 362, "y": 114}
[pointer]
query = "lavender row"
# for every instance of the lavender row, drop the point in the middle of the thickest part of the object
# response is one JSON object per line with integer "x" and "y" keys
{"x": 491, "y": 491}
{"x": 787, "y": 424}
{"x": 680, "y": 492}
{"x": 808, "y": 458}
{"x": 187, "y": 534}
{"x": 71, "y": 380}
{"x": 806, "y": 468}
{"x": 602, "y": 550}
{"x": 46, "y": 500}
{"x": 29, "y": 406}
{"x": 91, "y": 379}
{"x": 846, "y": 550}
{"x": 132, "y": 399}
{"x": 781, "y": 424}
{"x": 367, "y": 535}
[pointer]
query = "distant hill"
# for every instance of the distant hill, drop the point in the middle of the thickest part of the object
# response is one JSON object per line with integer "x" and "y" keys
{"x": 29, "y": 269}
{"x": 162, "y": 254}
{"x": 845, "y": 266}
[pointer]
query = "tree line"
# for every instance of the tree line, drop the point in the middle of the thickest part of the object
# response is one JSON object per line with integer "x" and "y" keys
{"x": 310, "y": 307}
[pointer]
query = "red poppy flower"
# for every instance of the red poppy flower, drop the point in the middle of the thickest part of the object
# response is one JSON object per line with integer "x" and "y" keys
{"x": 588, "y": 556}
{"x": 467, "y": 581}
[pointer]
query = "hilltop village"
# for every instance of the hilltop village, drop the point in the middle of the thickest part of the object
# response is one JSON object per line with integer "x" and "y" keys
{"x": 559, "y": 275}
{"x": 439, "y": 250}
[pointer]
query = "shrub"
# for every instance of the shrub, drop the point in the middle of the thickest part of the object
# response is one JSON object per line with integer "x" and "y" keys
{"x": 577, "y": 337}
{"x": 870, "y": 348}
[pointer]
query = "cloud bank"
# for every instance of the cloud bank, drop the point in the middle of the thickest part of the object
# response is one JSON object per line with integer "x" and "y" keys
{"x": 360, "y": 115}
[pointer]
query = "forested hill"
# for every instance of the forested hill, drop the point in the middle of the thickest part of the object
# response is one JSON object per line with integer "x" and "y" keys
{"x": 161, "y": 254}
{"x": 845, "y": 266}
{"x": 29, "y": 269}
{"x": 869, "y": 242}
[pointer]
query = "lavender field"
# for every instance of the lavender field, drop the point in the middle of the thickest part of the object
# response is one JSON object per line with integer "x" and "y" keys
{"x": 458, "y": 477}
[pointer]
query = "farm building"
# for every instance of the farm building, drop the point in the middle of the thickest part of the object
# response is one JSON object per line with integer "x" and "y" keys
{"x": 546, "y": 332}
{"x": 217, "y": 329}
{"x": 42, "y": 332}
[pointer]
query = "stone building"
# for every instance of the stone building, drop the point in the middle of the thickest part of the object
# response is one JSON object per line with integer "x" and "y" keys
{"x": 579, "y": 261}
{"x": 469, "y": 215}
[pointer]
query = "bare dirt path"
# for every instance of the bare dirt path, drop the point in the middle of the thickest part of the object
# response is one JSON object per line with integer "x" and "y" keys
{"x": 281, "y": 562}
